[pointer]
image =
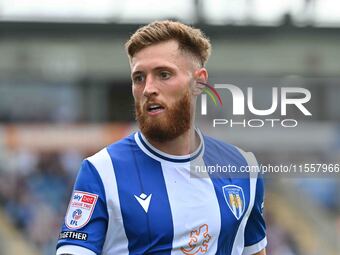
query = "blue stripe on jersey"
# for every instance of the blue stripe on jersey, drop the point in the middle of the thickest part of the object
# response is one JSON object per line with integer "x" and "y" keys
{"x": 256, "y": 227}
{"x": 136, "y": 173}
{"x": 223, "y": 154}
{"x": 167, "y": 158}
{"x": 88, "y": 180}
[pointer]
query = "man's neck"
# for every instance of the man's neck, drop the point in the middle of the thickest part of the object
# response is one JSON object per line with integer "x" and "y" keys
{"x": 185, "y": 144}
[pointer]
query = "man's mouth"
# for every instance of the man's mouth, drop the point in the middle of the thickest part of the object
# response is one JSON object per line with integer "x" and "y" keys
{"x": 154, "y": 108}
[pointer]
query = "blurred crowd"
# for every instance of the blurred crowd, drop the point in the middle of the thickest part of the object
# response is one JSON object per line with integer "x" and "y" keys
{"x": 34, "y": 190}
{"x": 280, "y": 241}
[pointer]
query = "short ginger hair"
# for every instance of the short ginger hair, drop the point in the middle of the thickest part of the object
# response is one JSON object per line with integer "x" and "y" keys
{"x": 189, "y": 39}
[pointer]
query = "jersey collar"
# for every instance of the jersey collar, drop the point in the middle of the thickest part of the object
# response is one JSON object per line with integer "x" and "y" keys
{"x": 155, "y": 153}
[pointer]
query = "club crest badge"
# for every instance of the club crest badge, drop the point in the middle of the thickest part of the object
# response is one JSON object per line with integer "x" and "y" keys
{"x": 80, "y": 209}
{"x": 234, "y": 197}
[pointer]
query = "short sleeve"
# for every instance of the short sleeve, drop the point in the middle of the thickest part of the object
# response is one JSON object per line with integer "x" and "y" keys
{"x": 255, "y": 231}
{"x": 85, "y": 225}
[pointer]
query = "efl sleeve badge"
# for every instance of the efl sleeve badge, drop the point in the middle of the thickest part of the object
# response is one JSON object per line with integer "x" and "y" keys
{"x": 80, "y": 209}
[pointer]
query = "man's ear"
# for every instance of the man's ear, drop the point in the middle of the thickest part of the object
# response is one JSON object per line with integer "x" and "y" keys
{"x": 200, "y": 75}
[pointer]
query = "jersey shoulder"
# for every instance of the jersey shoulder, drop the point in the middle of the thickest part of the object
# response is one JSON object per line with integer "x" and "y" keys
{"x": 105, "y": 160}
{"x": 115, "y": 151}
{"x": 220, "y": 149}
{"x": 226, "y": 154}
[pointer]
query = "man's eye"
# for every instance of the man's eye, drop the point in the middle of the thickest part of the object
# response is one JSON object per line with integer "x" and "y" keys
{"x": 138, "y": 78}
{"x": 165, "y": 75}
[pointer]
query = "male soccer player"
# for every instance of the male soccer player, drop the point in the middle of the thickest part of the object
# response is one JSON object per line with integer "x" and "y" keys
{"x": 140, "y": 194}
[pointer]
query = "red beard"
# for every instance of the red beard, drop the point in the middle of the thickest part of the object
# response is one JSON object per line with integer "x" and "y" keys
{"x": 174, "y": 122}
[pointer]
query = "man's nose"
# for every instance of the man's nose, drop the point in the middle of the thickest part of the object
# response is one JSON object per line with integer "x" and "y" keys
{"x": 150, "y": 88}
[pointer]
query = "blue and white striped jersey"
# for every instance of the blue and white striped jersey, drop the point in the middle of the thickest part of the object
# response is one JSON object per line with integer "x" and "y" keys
{"x": 131, "y": 198}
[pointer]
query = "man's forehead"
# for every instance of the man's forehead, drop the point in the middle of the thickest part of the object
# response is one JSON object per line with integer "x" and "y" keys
{"x": 151, "y": 64}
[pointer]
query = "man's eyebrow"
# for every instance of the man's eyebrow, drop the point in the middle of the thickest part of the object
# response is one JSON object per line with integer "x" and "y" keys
{"x": 163, "y": 67}
{"x": 136, "y": 72}
{"x": 154, "y": 69}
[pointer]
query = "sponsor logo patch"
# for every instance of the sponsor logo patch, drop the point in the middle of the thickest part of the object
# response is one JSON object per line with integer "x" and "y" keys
{"x": 80, "y": 209}
{"x": 73, "y": 235}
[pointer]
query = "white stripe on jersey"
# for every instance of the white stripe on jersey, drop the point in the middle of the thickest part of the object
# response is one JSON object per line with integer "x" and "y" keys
{"x": 249, "y": 250}
{"x": 190, "y": 198}
{"x": 117, "y": 242}
{"x": 238, "y": 246}
{"x": 74, "y": 249}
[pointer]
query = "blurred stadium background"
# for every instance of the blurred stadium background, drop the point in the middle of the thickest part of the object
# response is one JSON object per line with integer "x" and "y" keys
{"x": 65, "y": 93}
